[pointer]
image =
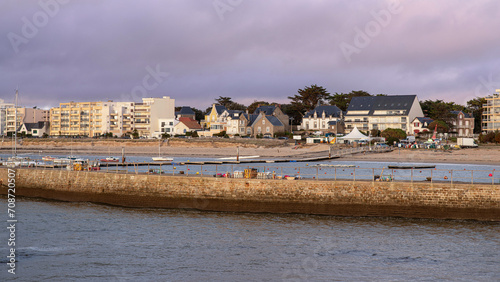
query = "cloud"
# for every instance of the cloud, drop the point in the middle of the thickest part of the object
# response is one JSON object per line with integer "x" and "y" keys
{"x": 99, "y": 50}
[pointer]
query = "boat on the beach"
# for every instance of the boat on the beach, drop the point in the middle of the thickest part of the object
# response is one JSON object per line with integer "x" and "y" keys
{"x": 110, "y": 160}
{"x": 333, "y": 165}
{"x": 241, "y": 157}
{"x": 411, "y": 166}
{"x": 48, "y": 159}
{"x": 160, "y": 158}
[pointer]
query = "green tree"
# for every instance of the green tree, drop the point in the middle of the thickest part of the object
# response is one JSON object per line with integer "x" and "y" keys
{"x": 375, "y": 133}
{"x": 393, "y": 133}
{"x": 442, "y": 127}
{"x": 252, "y": 107}
{"x": 229, "y": 104}
{"x": 135, "y": 134}
{"x": 475, "y": 106}
{"x": 308, "y": 98}
{"x": 342, "y": 100}
{"x": 440, "y": 110}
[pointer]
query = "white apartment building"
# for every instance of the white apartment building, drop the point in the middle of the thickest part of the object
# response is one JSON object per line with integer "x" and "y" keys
{"x": 3, "y": 115}
{"x": 491, "y": 113}
{"x": 97, "y": 118}
{"x": 382, "y": 112}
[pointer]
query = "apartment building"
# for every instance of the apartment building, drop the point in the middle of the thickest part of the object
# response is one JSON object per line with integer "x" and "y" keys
{"x": 97, "y": 118}
{"x": 3, "y": 115}
{"x": 77, "y": 119}
{"x": 24, "y": 115}
{"x": 491, "y": 113}
{"x": 382, "y": 112}
{"x": 151, "y": 116}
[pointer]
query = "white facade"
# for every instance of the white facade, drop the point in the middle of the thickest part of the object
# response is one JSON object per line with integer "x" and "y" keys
{"x": 3, "y": 115}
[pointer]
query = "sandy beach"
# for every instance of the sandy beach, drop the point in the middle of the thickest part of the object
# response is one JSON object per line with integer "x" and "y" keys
{"x": 228, "y": 148}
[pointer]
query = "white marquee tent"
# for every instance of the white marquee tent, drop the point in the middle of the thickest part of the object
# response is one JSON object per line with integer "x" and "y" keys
{"x": 355, "y": 135}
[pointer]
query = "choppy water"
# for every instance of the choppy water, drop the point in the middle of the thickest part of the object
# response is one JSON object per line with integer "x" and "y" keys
{"x": 59, "y": 241}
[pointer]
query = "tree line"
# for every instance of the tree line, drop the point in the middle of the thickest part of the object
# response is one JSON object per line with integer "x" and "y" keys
{"x": 309, "y": 97}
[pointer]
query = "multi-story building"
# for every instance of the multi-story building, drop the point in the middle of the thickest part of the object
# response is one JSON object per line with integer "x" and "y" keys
{"x": 78, "y": 119}
{"x": 24, "y": 115}
{"x": 323, "y": 117}
{"x": 118, "y": 118}
{"x": 382, "y": 112}
{"x": 232, "y": 120}
{"x": 3, "y": 115}
{"x": 491, "y": 113}
{"x": 463, "y": 124}
{"x": 213, "y": 121}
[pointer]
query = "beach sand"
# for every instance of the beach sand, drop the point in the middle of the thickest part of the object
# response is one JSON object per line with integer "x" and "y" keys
{"x": 262, "y": 148}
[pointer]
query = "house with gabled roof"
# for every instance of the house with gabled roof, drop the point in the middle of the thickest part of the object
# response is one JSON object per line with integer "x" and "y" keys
{"x": 463, "y": 124}
{"x": 266, "y": 125}
{"x": 382, "y": 112}
{"x": 185, "y": 112}
{"x": 272, "y": 110}
{"x": 246, "y": 121}
{"x": 420, "y": 124}
{"x": 212, "y": 118}
{"x": 35, "y": 129}
{"x": 231, "y": 119}
{"x": 323, "y": 117}
{"x": 185, "y": 125}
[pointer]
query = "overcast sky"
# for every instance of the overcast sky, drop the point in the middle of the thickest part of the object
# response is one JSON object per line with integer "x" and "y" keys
{"x": 197, "y": 50}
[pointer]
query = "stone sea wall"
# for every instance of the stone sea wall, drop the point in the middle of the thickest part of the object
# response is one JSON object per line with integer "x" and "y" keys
{"x": 344, "y": 198}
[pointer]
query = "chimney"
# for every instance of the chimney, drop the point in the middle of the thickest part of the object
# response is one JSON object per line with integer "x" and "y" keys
{"x": 247, "y": 111}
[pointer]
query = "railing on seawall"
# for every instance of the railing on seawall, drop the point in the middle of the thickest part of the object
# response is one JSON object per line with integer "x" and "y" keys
{"x": 317, "y": 172}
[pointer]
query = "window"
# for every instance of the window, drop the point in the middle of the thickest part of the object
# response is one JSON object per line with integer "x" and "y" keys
{"x": 263, "y": 121}
{"x": 267, "y": 129}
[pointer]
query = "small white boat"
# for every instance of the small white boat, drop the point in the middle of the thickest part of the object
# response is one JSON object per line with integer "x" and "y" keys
{"x": 48, "y": 158}
{"x": 241, "y": 158}
{"x": 160, "y": 158}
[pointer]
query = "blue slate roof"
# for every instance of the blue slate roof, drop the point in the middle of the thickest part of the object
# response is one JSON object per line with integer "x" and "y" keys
{"x": 274, "y": 121}
{"x": 234, "y": 113}
{"x": 268, "y": 110}
{"x": 375, "y": 103}
{"x": 219, "y": 109}
{"x": 251, "y": 118}
{"x": 424, "y": 120}
{"x": 186, "y": 111}
{"x": 466, "y": 115}
{"x": 329, "y": 110}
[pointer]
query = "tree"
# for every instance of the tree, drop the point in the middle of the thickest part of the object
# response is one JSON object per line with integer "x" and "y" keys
{"x": 475, "y": 106}
{"x": 342, "y": 100}
{"x": 199, "y": 115}
{"x": 497, "y": 137}
{"x": 440, "y": 110}
{"x": 135, "y": 134}
{"x": 375, "y": 133}
{"x": 442, "y": 127}
{"x": 229, "y": 104}
{"x": 252, "y": 107}
{"x": 394, "y": 133}
{"x": 289, "y": 110}
{"x": 308, "y": 98}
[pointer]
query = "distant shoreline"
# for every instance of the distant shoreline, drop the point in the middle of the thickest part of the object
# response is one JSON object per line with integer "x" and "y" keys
{"x": 266, "y": 149}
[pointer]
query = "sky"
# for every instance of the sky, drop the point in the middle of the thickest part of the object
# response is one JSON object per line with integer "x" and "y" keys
{"x": 194, "y": 51}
